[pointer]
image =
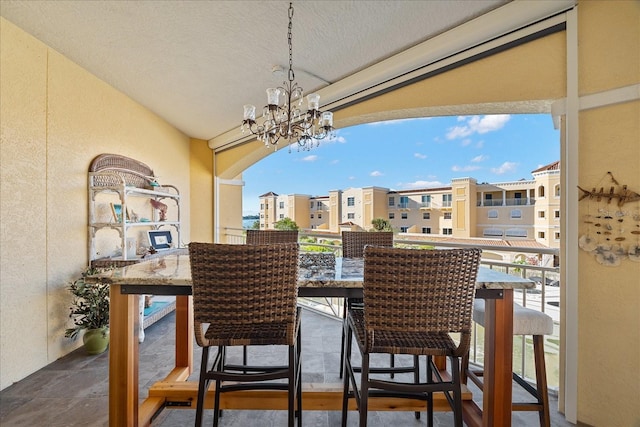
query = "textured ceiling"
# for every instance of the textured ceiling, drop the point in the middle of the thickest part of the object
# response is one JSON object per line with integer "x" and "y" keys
{"x": 195, "y": 63}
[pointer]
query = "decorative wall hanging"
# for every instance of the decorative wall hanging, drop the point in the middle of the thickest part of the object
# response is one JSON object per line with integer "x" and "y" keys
{"x": 610, "y": 231}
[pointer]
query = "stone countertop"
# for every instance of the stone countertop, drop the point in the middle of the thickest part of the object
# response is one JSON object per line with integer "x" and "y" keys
{"x": 316, "y": 271}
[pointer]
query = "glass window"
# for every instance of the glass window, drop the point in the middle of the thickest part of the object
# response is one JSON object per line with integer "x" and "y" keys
{"x": 404, "y": 229}
{"x": 540, "y": 234}
{"x": 426, "y": 215}
{"x": 446, "y": 200}
{"x": 311, "y": 216}
{"x": 541, "y": 214}
{"x": 426, "y": 230}
{"x": 351, "y": 201}
{"x": 556, "y": 214}
{"x": 516, "y": 214}
{"x": 392, "y": 215}
{"x": 351, "y": 216}
{"x": 492, "y": 232}
{"x": 319, "y": 216}
{"x": 447, "y": 231}
{"x": 281, "y": 205}
{"x": 404, "y": 215}
{"x": 311, "y": 205}
{"x": 447, "y": 215}
{"x": 404, "y": 201}
{"x": 392, "y": 201}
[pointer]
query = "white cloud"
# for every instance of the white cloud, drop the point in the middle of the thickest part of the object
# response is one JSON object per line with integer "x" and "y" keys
{"x": 420, "y": 155}
{"x": 467, "y": 168}
{"x": 421, "y": 184}
{"x": 376, "y": 173}
{"x": 334, "y": 162}
{"x": 504, "y": 168}
{"x": 480, "y": 158}
{"x": 311, "y": 158}
{"x": 477, "y": 124}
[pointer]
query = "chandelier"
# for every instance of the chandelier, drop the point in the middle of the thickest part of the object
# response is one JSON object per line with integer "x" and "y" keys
{"x": 287, "y": 121}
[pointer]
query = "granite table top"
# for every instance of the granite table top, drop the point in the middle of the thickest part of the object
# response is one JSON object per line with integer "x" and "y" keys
{"x": 316, "y": 270}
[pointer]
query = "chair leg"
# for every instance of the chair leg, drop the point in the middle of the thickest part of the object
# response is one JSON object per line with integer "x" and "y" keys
{"x": 416, "y": 376}
{"x": 457, "y": 392}
{"x": 344, "y": 319}
{"x": 346, "y": 362}
{"x": 541, "y": 380}
{"x": 216, "y": 401}
{"x": 203, "y": 385}
{"x": 292, "y": 392}
{"x": 429, "y": 379}
{"x": 363, "y": 408}
{"x": 299, "y": 375}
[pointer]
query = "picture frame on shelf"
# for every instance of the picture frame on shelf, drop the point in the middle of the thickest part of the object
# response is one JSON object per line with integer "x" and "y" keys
{"x": 160, "y": 240}
{"x": 116, "y": 210}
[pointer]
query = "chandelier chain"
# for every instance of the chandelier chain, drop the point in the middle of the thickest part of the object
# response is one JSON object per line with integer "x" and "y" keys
{"x": 290, "y": 41}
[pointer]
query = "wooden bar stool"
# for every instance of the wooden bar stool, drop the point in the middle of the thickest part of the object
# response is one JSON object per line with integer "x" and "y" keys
{"x": 525, "y": 322}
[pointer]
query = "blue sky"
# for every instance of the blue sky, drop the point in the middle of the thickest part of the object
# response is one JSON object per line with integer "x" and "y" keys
{"x": 409, "y": 153}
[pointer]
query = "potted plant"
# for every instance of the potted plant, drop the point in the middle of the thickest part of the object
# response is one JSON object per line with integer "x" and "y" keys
{"x": 90, "y": 312}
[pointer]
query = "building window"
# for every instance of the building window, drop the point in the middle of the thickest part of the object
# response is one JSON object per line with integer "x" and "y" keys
{"x": 541, "y": 191}
{"x": 446, "y": 200}
{"x": 540, "y": 234}
{"x": 556, "y": 214}
{"x": 311, "y": 216}
{"x": 311, "y": 205}
{"x": 404, "y": 215}
{"x": 392, "y": 201}
{"x": 426, "y": 215}
{"x": 516, "y": 214}
{"x": 404, "y": 229}
{"x": 447, "y": 215}
{"x": 515, "y": 232}
{"x": 492, "y": 232}
{"x": 556, "y": 235}
{"x": 493, "y": 213}
{"x": 392, "y": 215}
{"x": 556, "y": 190}
{"x": 261, "y": 215}
{"x": 351, "y": 215}
{"x": 281, "y": 216}
{"x": 351, "y": 201}
{"x": 319, "y": 216}
{"x": 404, "y": 202}
{"x": 447, "y": 231}
{"x": 426, "y": 230}
{"x": 281, "y": 205}
{"x": 541, "y": 214}
{"x": 261, "y": 206}
{"x": 426, "y": 201}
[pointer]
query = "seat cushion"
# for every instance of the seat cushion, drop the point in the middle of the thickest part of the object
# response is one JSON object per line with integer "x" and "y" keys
{"x": 526, "y": 321}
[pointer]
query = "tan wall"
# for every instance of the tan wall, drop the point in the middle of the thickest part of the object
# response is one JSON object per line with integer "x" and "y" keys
{"x": 201, "y": 185}
{"x": 56, "y": 118}
{"x": 609, "y": 298}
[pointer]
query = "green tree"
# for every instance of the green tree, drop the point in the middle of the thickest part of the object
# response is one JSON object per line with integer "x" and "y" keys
{"x": 381, "y": 224}
{"x": 256, "y": 225}
{"x": 286, "y": 224}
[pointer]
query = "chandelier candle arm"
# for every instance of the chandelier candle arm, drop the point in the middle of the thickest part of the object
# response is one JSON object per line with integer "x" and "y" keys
{"x": 287, "y": 121}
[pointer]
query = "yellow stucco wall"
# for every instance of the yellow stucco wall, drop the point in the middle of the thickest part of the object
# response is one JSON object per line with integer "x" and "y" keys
{"x": 201, "y": 184}
{"x": 55, "y": 118}
{"x": 609, "y": 298}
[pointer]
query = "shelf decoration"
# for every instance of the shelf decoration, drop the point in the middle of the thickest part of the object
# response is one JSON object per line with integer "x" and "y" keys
{"x": 610, "y": 231}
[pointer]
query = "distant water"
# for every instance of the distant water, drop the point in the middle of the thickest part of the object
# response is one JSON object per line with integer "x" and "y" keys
{"x": 247, "y": 223}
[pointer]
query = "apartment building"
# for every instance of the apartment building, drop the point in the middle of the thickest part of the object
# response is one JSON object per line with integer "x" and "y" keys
{"x": 515, "y": 210}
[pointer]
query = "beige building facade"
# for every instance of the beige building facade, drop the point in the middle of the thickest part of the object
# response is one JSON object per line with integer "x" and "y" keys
{"x": 517, "y": 210}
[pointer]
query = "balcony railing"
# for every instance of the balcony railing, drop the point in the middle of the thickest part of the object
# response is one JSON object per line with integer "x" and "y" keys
{"x": 506, "y": 202}
{"x": 545, "y": 297}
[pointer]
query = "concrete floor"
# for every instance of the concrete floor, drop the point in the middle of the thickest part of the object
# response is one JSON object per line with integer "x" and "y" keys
{"x": 73, "y": 391}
